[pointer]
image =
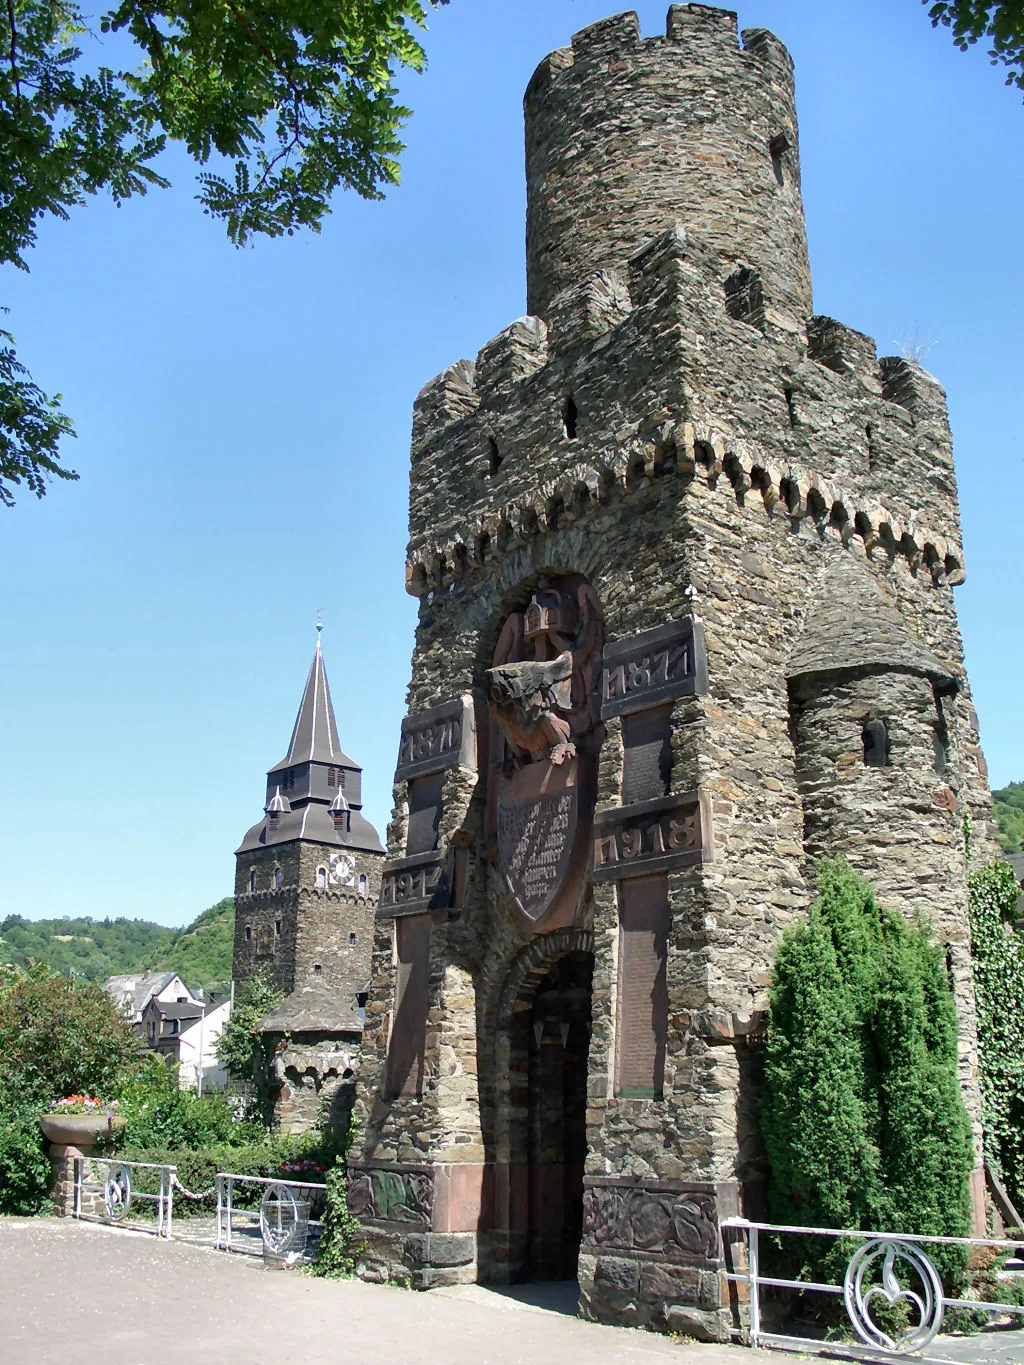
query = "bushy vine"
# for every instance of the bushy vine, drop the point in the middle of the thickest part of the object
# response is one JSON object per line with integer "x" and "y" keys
{"x": 998, "y": 953}
{"x": 341, "y": 1239}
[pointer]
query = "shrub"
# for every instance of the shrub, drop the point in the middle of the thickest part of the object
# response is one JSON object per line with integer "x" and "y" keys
{"x": 24, "y": 1165}
{"x": 862, "y": 1116}
{"x": 998, "y": 953}
{"x": 61, "y": 1037}
{"x": 160, "y": 1115}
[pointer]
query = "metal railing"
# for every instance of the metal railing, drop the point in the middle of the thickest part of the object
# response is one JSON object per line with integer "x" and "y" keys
{"x": 889, "y": 1267}
{"x": 282, "y": 1217}
{"x": 120, "y": 1190}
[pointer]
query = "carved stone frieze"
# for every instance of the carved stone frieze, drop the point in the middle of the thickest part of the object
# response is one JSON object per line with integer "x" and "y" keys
{"x": 654, "y": 667}
{"x": 391, "y": 1195}
{"x": 652, "y": 836}
{"x": 679, "y": 1223}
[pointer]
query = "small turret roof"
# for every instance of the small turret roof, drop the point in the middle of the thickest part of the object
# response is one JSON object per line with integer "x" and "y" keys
{"x": 850, "y": 625}
{"x": 314, "y": 1008}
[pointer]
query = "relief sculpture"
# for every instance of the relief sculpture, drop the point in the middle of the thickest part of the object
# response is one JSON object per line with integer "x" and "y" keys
{"x": 674, "y": 1224}
{"x": 543, "y": 693}
{"x": 390, "y": 1196}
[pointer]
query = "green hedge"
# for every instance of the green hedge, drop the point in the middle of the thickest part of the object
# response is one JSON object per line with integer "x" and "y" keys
{"x": 862, "y": 1115}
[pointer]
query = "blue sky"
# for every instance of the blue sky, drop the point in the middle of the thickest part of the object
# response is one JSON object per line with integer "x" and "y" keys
{"x": 243, "y": 421}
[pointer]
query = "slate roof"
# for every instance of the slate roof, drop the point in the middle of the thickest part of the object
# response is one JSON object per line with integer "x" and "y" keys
{"x": 172, "y": 1010}
{"x": 314, "y": 822}
{"x": 315, "y": 734}
{"x": 138, "y": 989}
{"x": 314, "y": 1008}
{"x": 851, "y": 625}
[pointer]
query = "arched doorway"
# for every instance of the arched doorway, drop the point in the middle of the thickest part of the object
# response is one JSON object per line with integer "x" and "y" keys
{"x": 547, "y": 1104}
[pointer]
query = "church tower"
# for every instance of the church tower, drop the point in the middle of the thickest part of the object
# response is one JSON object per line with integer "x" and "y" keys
{"x": 307, "y": 876}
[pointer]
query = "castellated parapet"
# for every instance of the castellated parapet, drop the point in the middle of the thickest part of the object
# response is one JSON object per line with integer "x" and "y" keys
{"x": 685, "y": 559}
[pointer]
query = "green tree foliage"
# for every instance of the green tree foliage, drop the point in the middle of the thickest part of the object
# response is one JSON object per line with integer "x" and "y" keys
{"x": 283, "y": 103}
{"x": 974, "y": 21}
{"x": 237, "y": 1044}
{"x": 998, "y": 953}
{"x": 60, "y": 1037}
{"x": 95, "y": 949}
{"x": 1008, "y": 808}
{"x": 862, "y": 1116}
{"x": 159, "y": 1114}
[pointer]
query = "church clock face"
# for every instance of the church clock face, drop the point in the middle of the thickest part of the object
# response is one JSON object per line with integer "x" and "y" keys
{"x": 343, "y": 869}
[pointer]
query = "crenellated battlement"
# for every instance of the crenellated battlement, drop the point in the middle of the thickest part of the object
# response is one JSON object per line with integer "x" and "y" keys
{"x": 624, "y": 133}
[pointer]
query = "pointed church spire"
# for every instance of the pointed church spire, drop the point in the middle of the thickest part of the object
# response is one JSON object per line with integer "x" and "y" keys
{"x": 315, "y": 735}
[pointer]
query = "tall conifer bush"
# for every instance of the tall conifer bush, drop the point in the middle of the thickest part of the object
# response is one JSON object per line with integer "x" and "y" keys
{"x": 862, "y": 1116}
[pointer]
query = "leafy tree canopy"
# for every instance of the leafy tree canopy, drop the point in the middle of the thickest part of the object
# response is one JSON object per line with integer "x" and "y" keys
{"x": 237, "y": 1045}
{"x": 282, "y": 102}
{"x": 975, "y": 21}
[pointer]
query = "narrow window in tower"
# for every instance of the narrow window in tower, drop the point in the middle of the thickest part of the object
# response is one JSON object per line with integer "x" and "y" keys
{"x": 778, "y": 147}
{"x": 875, "y": 738}
{"x": 248, "y": 933}
{"x": 790, "y": 406}
{"x": 495, "y": 454}
{"x": 869, "y": 433}
{"x": 940, "y": 737}
{"x": 569, "y": 419}
{"x": 362, "y": 886}
{"x": 277, "y": 928}
{"x": 351, "y": 940}
{"x": 341, "y": 778}
{"x": 317, "y": 969}
{"x": 330, "y": 777}
{"x": 277, "y": 879}
{"x": 321, "y": 878}
{"x": 252, "y": 879}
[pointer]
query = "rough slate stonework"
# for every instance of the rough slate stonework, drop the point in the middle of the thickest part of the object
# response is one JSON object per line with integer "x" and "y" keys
{"x": 724, "y": 457}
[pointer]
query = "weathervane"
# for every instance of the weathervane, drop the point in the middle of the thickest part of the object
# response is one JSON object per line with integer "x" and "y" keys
{"x": 319, "y": 621}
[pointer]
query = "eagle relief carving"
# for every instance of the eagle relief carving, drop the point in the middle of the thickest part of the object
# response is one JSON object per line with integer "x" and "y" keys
{"x": 543, "y": 696}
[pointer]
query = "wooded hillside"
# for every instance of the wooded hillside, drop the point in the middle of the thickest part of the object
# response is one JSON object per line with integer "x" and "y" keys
{"x": 95, "y": 949}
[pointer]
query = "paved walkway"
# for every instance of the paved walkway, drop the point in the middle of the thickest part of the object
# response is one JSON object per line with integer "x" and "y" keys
{"x": 75, "y": 1291}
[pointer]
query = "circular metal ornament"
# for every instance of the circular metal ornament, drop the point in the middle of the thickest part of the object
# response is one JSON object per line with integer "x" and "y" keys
{"x": 280, "y": 1220}
{"x": 862, "y": 1297}
{"x": 117, "y": 1193}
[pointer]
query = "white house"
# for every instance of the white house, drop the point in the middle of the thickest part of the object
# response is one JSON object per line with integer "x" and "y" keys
{"x": 133, "y": 993}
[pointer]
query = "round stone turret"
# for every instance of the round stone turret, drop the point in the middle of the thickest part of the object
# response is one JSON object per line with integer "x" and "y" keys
{"x": 625, "y": 134}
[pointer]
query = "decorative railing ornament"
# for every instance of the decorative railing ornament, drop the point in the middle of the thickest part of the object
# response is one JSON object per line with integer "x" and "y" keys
{"x": 283, "y": 1221}
{"x": 117, "y": 1193}
{"x": 861, "y": 1297}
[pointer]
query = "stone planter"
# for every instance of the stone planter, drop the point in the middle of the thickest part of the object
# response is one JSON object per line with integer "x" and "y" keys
{"x": 79, "y": 1130}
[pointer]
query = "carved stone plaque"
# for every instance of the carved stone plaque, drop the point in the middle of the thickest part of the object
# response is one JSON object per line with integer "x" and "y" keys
{"x": 652, "y": 667}
{"x": 676, "y": 1221}
{"x": 542, "y": 693}
{"x": 411, "y": 885}
{"x": 436, "y": 739}
{"x": 538, "y": 816}
{"x": 652, "y": 836}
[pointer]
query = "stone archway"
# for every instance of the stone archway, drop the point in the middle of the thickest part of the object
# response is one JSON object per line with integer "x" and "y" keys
{"x": 542, "y": 1063}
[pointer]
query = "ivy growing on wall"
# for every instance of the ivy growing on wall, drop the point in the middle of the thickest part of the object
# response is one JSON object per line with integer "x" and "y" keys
{"x": 998, "y": 952}
{"x": 862, "y": 1115}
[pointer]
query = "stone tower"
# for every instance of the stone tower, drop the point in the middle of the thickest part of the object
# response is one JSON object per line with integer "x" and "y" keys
{"x": 307, "y": 876}
{"x": 685, "y": 557}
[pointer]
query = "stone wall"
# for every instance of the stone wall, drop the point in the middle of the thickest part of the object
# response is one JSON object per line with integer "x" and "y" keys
{"x": 312, "y": 1078}
{"x": 292, "y": 931}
